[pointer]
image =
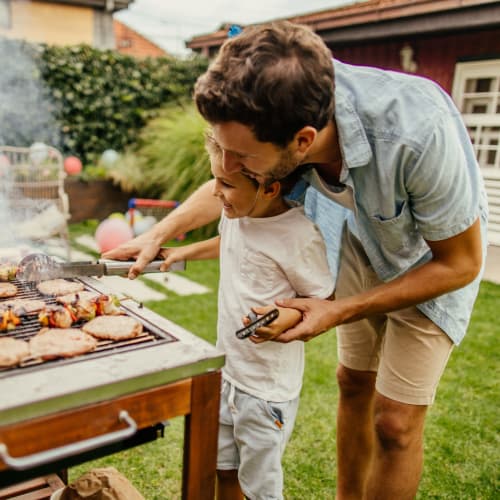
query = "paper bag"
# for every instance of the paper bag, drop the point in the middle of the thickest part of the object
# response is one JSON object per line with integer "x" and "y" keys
{"x": 101, "y": 484}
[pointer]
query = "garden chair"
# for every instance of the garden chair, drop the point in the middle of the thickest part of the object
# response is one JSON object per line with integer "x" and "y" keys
{"x": 34, "y": 201}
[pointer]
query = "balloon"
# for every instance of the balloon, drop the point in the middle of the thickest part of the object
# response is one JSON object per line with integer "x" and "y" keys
{"x": 116, "y": 215}
{"x": 4, "y": 166}
{"x": 111, "y": 233}
{"x": 4, "y": 160}
{"x": 72, "y": 165}
{"x": 109, "y": 157}
{"x": 142, "y": 224}
{"x": 38, "y": 152}
{"x": 137, "y": 215}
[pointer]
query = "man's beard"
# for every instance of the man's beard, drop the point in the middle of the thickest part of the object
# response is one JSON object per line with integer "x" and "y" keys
{"x": 286, "y": 164}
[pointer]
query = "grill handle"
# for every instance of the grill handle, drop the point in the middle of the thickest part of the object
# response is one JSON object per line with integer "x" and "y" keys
{"x": 69, "y": 450}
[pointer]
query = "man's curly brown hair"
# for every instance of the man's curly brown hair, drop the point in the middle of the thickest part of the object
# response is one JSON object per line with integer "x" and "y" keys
{"x": 275, "y": 78}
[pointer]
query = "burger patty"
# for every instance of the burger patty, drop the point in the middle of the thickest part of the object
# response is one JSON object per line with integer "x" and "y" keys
{"x": 113, "y": 327}
{"x": 50, "y": 343}
{"x": 73, "y": 297}
{"x": 23, "y": 306}
{"x": 59, "y": 287}
{"x": 7, "y": 290}
{"x": 12, "y": 351}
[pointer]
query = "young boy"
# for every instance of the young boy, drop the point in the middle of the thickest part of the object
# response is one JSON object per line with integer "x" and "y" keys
{"x": 267, "y": 251}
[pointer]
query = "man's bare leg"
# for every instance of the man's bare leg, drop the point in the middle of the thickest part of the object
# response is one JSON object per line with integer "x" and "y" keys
{"x": 398, "y": 455}
{"x": 355, "y": 431}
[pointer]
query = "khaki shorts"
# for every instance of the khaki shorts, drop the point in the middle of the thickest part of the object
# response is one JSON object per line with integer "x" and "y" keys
{"x": 406, "y": 349}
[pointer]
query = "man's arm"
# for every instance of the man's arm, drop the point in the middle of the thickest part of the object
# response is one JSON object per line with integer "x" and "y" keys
{"x": 455, "y": 263}
{"x": 199, "y": 209}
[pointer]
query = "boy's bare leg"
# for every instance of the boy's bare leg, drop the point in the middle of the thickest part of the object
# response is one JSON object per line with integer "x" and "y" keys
{"x": 355, "y": 431}
{"x": 228, "y": 486}
{"x": 398, "y": 454}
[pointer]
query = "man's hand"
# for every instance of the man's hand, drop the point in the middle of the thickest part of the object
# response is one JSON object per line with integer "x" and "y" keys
{"x": 142, "y": 248}
{"x": 318, "y": 316}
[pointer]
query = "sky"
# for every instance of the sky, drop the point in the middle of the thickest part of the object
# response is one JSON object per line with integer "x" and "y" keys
{"x": 169, "y": 23}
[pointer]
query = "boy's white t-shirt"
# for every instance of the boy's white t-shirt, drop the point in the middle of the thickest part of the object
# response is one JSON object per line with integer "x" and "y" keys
{"x": 261, "y": 260}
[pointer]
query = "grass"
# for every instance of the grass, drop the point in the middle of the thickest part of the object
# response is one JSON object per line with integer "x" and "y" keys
{"x": 462, "y": 431}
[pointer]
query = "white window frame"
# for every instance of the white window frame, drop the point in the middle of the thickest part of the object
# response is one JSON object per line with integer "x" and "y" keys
{"x": 477, "y": 70}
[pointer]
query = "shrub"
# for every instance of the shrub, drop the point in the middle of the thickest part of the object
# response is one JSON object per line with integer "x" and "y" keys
{"x": 105, "y": 97}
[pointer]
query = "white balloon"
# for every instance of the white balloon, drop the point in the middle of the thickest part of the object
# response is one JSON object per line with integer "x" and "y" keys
{"x": 38, "y": 152}
{"x": 109, "y": 157}
{"x": 137, "y": 215}
{"x": 143, "y": 224}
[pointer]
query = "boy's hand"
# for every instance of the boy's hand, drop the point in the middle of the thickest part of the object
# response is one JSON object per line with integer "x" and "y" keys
{"x": 287, "y": 319}
{"x": 171, "y": 255}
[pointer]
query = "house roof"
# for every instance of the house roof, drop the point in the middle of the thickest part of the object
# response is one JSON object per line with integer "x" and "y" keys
{"x": 109, "y": 5}
{"x": 140, "y": 44}
{"x": 385, "y": 18}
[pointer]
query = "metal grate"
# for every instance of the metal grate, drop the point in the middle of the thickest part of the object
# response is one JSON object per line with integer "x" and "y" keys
{"x": 30, "y": 326}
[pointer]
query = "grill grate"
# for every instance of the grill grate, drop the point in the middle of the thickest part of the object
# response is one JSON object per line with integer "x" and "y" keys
{"x": 30, "y": 326}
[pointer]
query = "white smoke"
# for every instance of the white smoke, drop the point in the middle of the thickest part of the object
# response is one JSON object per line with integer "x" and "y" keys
{"x": 27, "y": 118}
{"x": 27, "y": 113}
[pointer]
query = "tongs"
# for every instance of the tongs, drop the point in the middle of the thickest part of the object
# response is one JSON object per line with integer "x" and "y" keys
{"x": 40, "y": 267}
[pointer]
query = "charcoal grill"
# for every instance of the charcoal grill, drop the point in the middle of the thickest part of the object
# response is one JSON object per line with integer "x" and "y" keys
{"x": 58, "y": 413}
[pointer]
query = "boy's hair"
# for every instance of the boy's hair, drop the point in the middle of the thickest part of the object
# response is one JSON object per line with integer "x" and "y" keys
{"x": 215, "y": 154}
{"x": 275, "y": 78}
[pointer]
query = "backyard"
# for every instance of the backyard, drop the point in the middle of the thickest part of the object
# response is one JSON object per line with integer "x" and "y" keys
{"x": 461, "y": 439}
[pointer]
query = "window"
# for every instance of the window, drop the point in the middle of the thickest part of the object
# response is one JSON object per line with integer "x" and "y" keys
{"x": 4, "y": 14}
{"x": 476, "y": 91}
{"x": 125, "y": 43}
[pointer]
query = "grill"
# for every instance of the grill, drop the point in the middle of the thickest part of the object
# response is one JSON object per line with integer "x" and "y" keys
{"x": 30, "y": 326}
{"x": 62, "y": 412}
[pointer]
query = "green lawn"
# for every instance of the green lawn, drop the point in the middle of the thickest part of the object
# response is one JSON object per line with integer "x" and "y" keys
{"x": 462, "y": 433}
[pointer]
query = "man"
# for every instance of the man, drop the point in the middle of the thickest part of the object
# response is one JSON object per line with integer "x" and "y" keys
{"x": 391, "y": 169}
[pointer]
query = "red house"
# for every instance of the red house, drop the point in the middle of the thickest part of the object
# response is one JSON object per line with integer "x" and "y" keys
{"x": 454, "y": 42}
{"x": 130, "y": 42}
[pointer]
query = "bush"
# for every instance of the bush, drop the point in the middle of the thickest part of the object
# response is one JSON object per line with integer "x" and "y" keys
{"x": 105, "y": 97}
{"x": 170, "y": 161}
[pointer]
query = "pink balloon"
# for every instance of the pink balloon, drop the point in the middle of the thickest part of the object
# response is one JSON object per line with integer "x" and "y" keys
{"x": 4, "y": 165}
{"x": 111, "y": 233}
{"x": 72, "y": 165}
{"x": 4, "y": 160}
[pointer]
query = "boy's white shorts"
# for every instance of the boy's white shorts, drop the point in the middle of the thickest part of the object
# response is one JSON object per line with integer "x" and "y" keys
{"x": 252, "y": 437}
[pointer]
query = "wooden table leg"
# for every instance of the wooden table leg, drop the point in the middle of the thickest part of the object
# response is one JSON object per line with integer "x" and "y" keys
{"x": 200, "y": 438}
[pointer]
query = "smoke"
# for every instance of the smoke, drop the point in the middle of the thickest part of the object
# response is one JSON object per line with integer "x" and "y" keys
{"x": 27, "y": 119}
{"x": 27, "y": 113}
{"x": 27, "y": 116}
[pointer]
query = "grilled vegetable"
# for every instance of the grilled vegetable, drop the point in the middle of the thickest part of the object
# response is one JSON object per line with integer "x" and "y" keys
{"x": 57, "y": 317}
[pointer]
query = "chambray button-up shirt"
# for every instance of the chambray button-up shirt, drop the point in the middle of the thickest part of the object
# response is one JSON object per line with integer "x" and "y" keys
{"x": 414, "y": 177}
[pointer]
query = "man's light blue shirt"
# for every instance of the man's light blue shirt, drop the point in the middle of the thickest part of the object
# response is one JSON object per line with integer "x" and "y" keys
{"x": 408, "y": 158}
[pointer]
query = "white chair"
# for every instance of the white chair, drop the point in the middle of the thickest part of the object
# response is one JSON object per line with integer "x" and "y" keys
{"x": 35, "y": 203}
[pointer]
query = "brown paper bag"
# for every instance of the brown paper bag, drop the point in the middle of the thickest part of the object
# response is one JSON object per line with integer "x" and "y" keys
{"x": 101, "y": 484}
